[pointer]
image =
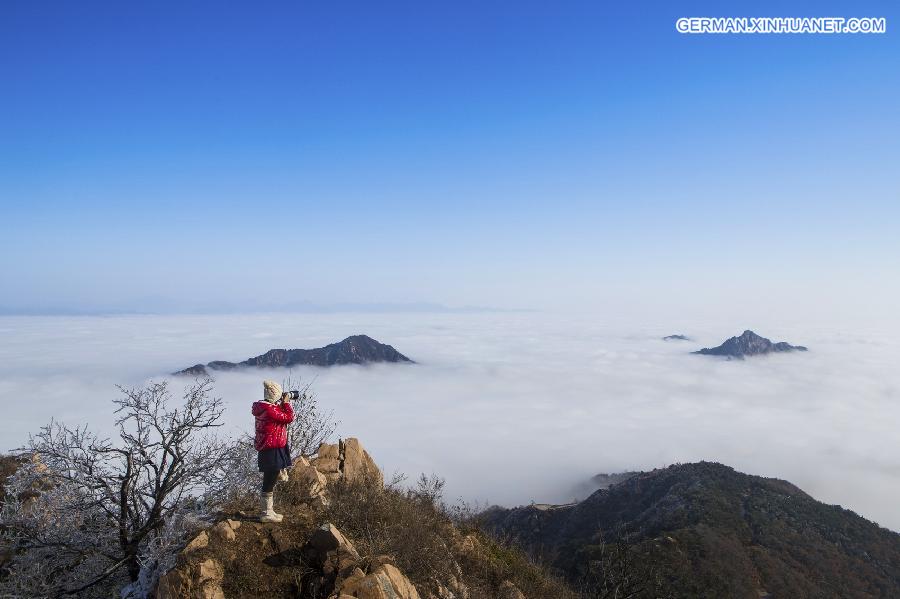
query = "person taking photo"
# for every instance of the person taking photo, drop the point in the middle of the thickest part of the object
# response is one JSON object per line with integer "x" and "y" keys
{"x": 273, "y": 415}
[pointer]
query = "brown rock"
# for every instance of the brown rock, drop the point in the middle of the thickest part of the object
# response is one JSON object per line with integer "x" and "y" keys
{"x": 329, "y": 550}
{"x": 174, "y": 584}
{"x": 328, "y": 538}
{"x": 386, "y": 582}
{"x": 198, "y": 542}
{"x": 329, "y": 450}
{"x": 358, "y": 464}
{"x": 209, "y": 579}
{"x": 354, "y": 574}
{"x": 234, "y": 524}
{"x": 327, "y": 465}
{"x": 192, "y": 581}
{"x": 310, "y": 481}
{"x": 401, "y": 583}
{"x": 223, "y": 531}
{"x": 209, "y": 570}
{"x": 332, "y": 476}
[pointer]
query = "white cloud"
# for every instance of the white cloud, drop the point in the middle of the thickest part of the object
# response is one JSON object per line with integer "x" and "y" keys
{"x": 514, "y": 407}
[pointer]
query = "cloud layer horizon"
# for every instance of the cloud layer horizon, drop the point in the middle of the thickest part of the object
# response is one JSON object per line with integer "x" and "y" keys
{"x": 511, "y": 408}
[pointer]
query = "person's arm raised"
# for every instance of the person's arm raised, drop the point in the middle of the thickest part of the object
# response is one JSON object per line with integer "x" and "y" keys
{"x": 282, "y": 413}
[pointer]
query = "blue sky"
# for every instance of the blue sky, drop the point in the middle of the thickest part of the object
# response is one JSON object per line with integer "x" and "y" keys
{"x": 566, "y": 155}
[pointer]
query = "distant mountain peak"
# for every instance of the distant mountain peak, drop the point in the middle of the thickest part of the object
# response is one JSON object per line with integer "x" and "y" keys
{"x": 749, "y": 343}
{"x": 356, "y": 349}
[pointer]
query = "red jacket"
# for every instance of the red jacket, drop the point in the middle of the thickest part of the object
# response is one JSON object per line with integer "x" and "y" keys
{"x": 271, "y": 424}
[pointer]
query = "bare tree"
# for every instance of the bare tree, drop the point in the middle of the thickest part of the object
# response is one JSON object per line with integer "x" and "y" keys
{"x": 85, "y": 510}
{"x": 311, "y": 427}
{"x": 615, "y": 570}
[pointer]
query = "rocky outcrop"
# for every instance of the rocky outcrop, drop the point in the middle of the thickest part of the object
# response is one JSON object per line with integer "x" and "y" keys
{"x": 193, "y": 580}
{"x": 384, "y": 582}
{"x": 357, "y": 349}
{"x": 198, "y": 574}
{"x": 334, "y": 569}
{"x": 307, "y": 556}
{"x": 347, "y": 458}
{"x": 198, "y": 577}
{"x": 748, "y": 344}
{"x": 339, "y": 570}
{"x": 310, "y": 482}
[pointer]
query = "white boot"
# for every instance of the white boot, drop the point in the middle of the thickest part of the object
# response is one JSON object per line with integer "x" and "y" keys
{"x": 266, "y": 500}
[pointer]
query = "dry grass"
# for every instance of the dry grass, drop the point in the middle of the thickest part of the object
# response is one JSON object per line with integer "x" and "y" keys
{"x": 414, "y": 528}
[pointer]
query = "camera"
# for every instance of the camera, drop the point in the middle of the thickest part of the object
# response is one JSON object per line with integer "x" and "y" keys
{"x": 292, "y": 395}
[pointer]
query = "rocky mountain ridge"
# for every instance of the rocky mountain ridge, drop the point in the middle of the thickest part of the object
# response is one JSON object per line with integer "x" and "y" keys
{"x": 709, "y": 531}
{"x": 356, "y": 349}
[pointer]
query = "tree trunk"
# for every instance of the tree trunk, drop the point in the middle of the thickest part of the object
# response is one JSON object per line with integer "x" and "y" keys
{"x": 133, "y": 565}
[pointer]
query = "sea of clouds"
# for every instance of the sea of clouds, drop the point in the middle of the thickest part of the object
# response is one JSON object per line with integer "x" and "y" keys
{"x": 511, "y": 408}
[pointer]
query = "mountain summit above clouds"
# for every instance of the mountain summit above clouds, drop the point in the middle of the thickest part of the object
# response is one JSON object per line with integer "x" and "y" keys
{"x": 357, "y": 349}
{"x": 748, "y": 344}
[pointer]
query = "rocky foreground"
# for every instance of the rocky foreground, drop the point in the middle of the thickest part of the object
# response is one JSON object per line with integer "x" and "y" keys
{"x": 357, "y": 349}
{"x": 401, "y": 547}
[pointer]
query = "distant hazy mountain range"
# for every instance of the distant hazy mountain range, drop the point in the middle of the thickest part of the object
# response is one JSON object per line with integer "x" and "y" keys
{"x": 357, "y": 349}
{"x": 705, "y": 530}
{"x": 167, "y": 306}
{"x": 748, "y": 344}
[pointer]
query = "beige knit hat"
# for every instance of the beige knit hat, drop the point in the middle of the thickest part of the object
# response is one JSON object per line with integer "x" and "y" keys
{"x": 271, "y": 391}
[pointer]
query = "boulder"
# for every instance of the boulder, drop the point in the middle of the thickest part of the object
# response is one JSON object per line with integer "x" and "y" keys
{"x": 330, "y": 551}
{"x": 347, "y": 459}
{"x": 223, "y": 531}
{"x": 355, "y": 573}
{"x": 328, "y": 460}
{"x": 198, "y": 542}
{"x": 174, "y": 584}
{"x": 234, "y": 524}
{"x": 328, "y": 538}
{"x": 202, "y": 580}
{"x": 385, "y": 582}
{"x": 358, "y": 464}
{"x": 309, "y": 481}
{"x": 329, "y": 450}
{"x": 327, "y": 465}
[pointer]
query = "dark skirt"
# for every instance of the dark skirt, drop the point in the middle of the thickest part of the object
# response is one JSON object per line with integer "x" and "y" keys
{"x": 274, "y": 459}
